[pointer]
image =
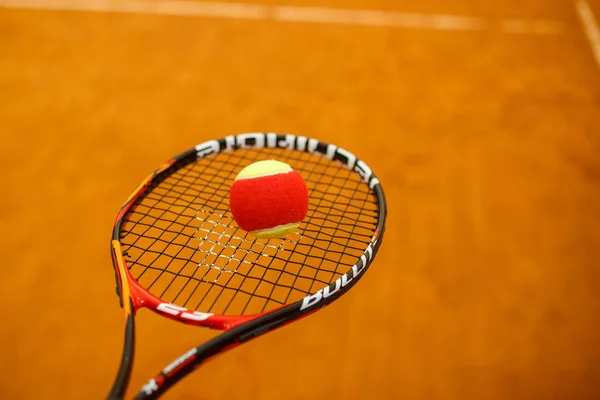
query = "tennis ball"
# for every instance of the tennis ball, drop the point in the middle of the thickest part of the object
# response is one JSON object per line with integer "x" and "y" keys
{"x": 268, "y": 199}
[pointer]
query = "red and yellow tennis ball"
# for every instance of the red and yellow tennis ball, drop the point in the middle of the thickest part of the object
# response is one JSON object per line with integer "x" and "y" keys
{"x": 268, "y": 199}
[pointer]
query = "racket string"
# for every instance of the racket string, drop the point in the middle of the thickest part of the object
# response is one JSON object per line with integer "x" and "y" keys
{"x": 299, "y": 164}
{"x": 184, "y": 246}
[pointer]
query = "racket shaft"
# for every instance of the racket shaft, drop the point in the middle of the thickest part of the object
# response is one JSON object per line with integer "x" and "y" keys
{"x": 181, "y": 367}
{"x": 188, "y": 362}
{"x": 122, "y": 380}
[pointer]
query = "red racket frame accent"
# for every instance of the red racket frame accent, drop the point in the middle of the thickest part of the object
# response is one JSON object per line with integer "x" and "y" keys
{"x": 141, "y": 298}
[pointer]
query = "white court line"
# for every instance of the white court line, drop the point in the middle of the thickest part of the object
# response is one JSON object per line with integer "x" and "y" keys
{"x": 288, "y": 13}
{"x": 377, "y": 18}
{"x": 590, "y": 26}
{"x": 520, "y": 26}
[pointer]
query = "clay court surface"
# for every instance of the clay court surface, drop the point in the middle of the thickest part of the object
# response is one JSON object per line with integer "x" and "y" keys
{"x": 486, "y": 139}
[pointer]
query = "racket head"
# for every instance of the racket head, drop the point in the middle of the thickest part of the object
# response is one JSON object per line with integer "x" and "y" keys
{"x": 186, "y": 198}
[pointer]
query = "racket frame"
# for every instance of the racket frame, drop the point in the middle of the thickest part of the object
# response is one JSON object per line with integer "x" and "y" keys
{"x": 236, "y": 329}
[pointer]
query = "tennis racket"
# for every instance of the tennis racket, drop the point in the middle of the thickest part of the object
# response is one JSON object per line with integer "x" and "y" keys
{"x": 177, "y": 251}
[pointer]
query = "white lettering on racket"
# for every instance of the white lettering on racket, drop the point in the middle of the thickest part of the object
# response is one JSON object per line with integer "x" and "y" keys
{"x": 345, "y": 157}
{"x": 363, "y": 170}
{"x": 249, "y": 140}
{"x": 150, "y": 387}
{"x": 207, "y": 148}
{"x": 341, "y": 282}
{"x": 181, "y": 360}
{"x": 182, "y": 312}
{"x": 301, "y": 143}
{"x": 285, "y": 141}
{"x": 312, "y": 146}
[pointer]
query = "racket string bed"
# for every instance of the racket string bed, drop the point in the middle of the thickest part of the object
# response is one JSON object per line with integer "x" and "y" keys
{"x": 260, "y": 251}
{"x": 183, "y": 245}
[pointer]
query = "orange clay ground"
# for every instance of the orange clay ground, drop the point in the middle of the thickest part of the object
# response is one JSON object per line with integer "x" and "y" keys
{"x": 486, "y": 143}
